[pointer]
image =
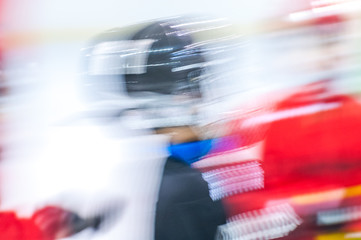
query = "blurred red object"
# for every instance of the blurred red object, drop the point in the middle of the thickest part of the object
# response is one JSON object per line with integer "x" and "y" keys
{"x": 14, "y": 228}
{"x": 310, "y": 159}
{"x": 329, "y": 24}
{"x": 47, "y": 223}
{"x": 54, "y": 222}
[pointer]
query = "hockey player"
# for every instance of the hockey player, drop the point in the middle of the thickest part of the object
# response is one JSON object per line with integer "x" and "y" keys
{"x": 300, "y": 178}
{"x": 151, "y": 76}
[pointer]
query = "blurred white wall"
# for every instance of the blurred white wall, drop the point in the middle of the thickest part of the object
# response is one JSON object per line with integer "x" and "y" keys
{"x": 42, "y": 43}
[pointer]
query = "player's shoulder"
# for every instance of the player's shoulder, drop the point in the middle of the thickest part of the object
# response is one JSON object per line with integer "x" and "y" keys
{"x": 181, "y": 181}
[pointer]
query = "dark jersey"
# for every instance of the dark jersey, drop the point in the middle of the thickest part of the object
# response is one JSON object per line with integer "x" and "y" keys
{"x": 185, "y": 209}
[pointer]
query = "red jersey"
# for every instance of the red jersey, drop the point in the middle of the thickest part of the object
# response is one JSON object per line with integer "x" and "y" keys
{"x": 306, "y": 169}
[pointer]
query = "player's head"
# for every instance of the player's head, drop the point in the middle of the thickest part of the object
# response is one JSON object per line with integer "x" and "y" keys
{"x": 154, "y": 73}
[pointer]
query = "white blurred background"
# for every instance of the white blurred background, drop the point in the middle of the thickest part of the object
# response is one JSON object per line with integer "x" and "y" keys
{"x": 41, "y": 42}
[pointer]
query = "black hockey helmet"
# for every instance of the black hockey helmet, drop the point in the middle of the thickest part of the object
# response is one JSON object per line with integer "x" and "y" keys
{"x": 156, "y": 68}
{"x": 157, "y": 58}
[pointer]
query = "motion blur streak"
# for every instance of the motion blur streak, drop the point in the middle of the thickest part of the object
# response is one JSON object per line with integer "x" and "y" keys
{"x": 114, "y": 126}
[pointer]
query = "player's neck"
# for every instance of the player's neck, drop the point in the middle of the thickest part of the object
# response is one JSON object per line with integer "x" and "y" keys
{"x": 179, "y": 134}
